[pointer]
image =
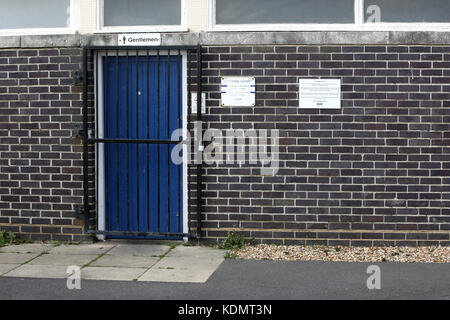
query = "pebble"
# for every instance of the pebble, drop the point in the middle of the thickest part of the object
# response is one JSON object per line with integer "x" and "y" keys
{"x": 344, "y": 254}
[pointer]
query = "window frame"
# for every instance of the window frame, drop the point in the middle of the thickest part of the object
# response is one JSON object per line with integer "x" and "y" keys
{"x": 359, "y": 24}
{"x": 100, "y": 28}
{"x": 71, "y": 29}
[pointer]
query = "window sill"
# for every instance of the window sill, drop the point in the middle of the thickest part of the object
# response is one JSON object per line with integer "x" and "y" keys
{"x": 142, "y": 29}
{"x": 333, "y": 27}
{"x": 37, "y": 31}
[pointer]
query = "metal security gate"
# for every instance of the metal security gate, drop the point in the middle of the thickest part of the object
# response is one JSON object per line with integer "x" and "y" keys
{"x": 133, "y": 103}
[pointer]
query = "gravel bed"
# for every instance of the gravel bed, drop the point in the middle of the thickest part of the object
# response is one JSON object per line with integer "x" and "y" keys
{"x": 344, "y": 254}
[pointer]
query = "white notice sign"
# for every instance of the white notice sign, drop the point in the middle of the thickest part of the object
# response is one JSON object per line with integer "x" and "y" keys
{"x": 238, "y": 91}
{"x": 139, "y": 39}
{"x": 320, "y": 93}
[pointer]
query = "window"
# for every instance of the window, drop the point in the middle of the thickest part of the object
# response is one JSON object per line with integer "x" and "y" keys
{"x": 142, "y": 14}
{"x": 328, "y": 15}
{"x": 284, "y": 11}
{"x": 42, "y": 14}
{"x": 434, "y": 11}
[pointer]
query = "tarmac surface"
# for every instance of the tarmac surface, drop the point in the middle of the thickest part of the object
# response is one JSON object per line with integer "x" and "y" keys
{"x": 260, "y": 280}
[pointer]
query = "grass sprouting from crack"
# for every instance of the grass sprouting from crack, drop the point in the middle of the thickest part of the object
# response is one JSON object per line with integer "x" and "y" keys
{"x": 171, "y": 247}
{"x": 26, "y": 262}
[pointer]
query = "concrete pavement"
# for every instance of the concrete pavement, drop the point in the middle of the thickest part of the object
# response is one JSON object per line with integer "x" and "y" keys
{"x": 163, "y": 262}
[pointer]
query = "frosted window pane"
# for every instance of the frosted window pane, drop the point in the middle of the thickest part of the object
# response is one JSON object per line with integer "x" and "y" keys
{"x": 142, "y": 12}
{"x": 284, "y": 11}
{"x": 19, "y": 14}
{"x": 411, "y": 10}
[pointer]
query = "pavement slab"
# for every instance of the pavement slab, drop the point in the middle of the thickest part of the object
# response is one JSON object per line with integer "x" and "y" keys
{"x": 193, "y": 252}
{"x": 141, "y": 250}
{"x": 83, "y": 249}
{"x": 27, "y": 248}
{"x": 39, "y": 271}
{"x": 125, "y": 261}
{"x": 16, "y": 258}
{"x": 186, "y": 264}
{"x": 113, "y": 261}
{"x": 63, "y": 260}
{"x": 111, "y": 273}
{"x": 7, "y": 267}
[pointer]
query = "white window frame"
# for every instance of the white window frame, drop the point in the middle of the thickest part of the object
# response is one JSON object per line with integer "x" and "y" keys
{"x": 359, "y": 24}
{"x": 71, "y": 29}
{"x": 100, "y": 28}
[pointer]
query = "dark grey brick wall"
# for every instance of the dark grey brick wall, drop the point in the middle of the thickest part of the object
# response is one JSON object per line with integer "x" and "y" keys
{"x": 41, "y": 163}
{"x": 375, "y": 172}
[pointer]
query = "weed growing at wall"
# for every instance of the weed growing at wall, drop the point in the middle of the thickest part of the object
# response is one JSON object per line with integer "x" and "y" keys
{"x": 234, "y": 241}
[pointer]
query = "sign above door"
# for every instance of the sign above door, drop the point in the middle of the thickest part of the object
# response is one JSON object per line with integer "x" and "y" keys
{"x": 139, "y": 39}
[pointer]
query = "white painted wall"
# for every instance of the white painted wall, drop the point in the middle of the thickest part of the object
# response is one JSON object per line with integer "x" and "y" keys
{"x": 197, "y": 12}
{"x": 88, "y": 16}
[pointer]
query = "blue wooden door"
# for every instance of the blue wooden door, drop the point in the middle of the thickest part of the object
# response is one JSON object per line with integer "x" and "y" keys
{"x": 143, "y": 187}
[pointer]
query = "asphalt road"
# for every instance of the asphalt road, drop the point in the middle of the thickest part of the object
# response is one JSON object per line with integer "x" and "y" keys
{"x": 266, "y": 280}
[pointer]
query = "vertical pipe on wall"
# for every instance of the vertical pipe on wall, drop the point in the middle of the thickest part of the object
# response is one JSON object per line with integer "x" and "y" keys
{"x": 188, "y": 128}
{"x": 96, "y": 135}
{"x": 85, "y": 141}
{"x": 106, "y": 135}
{"x": 199, "y": 119}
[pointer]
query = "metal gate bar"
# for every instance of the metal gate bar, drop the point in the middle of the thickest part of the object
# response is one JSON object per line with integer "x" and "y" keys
{"x": 102, "y": 138}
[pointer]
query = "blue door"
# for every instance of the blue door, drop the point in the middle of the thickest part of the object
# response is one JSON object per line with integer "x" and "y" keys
{"x": 142, "y": 99}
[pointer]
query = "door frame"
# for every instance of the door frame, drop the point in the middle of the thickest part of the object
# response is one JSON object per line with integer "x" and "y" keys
{"x": 99, "y": 119}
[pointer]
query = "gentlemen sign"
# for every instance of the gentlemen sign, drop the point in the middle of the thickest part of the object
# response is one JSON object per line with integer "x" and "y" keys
{"x": 320, "y": 93}
{"x": 139, "y": 39}
{"x": 238, "y": 91}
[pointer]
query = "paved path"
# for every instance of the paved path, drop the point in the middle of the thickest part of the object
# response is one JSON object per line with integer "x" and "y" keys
{"x": 173, "y": 262}
{"x": 237, "y": 279}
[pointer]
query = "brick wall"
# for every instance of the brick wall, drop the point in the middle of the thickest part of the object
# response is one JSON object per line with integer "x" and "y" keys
{"x": 375, "y": 172}
{"x": 41, "y": 163}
